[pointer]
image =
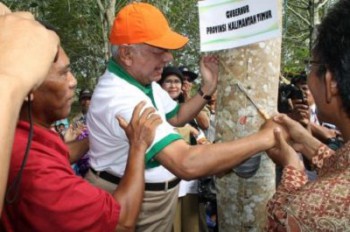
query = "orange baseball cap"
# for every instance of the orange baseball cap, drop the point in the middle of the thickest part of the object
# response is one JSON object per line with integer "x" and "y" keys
{"x": 143, "y": 23}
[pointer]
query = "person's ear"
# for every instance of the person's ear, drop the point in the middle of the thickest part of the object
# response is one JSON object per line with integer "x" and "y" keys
{"x": 331, "y": 86}
{"x": 126, "y": 55}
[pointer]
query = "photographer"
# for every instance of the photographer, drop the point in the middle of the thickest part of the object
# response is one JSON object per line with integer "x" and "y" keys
{"x": 298, "y": 103}
{"x": 304, "y": 111}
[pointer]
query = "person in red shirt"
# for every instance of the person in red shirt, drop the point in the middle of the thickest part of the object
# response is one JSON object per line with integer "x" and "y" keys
{"x": 44, "y": 194}
{"x": 15, "y": 80}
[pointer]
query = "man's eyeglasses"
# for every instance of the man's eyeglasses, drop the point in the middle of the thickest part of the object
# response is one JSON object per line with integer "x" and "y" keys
{"x": 309, "y": 64}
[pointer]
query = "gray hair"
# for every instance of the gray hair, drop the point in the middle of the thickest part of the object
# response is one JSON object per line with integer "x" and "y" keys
{"x": 115, "y": 48}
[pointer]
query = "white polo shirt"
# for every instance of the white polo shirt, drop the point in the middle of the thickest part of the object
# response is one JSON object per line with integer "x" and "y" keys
{"x": 117, "y": 93}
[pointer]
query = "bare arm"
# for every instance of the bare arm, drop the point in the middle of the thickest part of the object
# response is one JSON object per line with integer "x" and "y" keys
{"x": 190, "y": 162}
{"x": 129, "y": 193}
{"x": 77, "y": 149}
{"x": 191, "y": 108}
{"x": 322, "y": 133}
{"x": 19, "y": 73}
{"x": 9, "y": 110}
{"x": 203, "y": 119}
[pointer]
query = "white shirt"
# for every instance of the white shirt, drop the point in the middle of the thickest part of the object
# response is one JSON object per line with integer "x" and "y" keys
{"x": 313, "y": 114}
{"x": 117, "y": 94}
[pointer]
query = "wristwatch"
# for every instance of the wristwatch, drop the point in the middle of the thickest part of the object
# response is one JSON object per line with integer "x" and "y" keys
{"x": 205, "y": 97}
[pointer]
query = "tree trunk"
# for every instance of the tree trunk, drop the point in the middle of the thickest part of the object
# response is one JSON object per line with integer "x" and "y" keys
{"x": 242, "y": 202}
{"x": 107, "y": 14}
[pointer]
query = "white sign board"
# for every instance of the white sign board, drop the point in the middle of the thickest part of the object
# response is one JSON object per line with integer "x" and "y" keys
{"x": 228, "y": 24}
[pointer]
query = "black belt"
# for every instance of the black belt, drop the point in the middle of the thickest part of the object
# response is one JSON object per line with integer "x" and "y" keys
{"x": 163, "y": 186}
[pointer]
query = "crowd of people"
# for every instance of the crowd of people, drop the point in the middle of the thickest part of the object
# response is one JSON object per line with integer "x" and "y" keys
{"x": 143, "y": 139}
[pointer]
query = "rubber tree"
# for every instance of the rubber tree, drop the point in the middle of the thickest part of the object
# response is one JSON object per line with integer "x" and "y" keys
{"x": 242, "y": 201}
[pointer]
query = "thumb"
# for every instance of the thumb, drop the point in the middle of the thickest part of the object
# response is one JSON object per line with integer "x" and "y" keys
{"x": 279, "y": 138}
{"x": 123, "y": 124}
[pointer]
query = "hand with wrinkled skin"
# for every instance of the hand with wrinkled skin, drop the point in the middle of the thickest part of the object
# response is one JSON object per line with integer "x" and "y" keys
{"x": 283, "y": 154}
{"x": 141, "y": 129}
{"x": 209, "y": 68}
{"x": 269, "y": 126}
{"x": 303, "y": 141}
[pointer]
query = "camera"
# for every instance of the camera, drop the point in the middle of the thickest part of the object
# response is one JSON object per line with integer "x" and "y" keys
{"x": 286, "y": 92}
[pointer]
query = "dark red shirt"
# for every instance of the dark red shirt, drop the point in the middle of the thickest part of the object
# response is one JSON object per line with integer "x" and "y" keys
{"x": 51, "y": 196}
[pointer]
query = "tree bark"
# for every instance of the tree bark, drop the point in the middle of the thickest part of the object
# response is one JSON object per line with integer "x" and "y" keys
{"x": 107, "y": 14}
{"x": 242, "y": 202}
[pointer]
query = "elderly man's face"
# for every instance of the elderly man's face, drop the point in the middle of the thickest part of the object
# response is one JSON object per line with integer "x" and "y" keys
{"x": 53, "y": 99}
{"x": 148, "y": 63}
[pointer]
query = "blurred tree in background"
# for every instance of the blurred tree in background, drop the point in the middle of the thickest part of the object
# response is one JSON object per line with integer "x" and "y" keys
{"x": 83, "y": 26}
{"x": 300, "y": 21}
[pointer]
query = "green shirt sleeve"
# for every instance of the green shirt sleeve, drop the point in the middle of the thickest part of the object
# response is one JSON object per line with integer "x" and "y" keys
{"x": 172, "y": 113}
{"x": 150, "y": 161}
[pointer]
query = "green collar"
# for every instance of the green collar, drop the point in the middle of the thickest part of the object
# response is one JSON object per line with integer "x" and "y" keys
{"x": 118, "y": 70}
{"x": 115, "y": 68}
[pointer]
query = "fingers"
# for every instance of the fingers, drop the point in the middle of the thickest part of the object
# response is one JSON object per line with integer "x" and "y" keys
{"x": 280, "y": 142}
{"x": 148, "y": 113}
{"x": 210, "y": 58}
{"x": 137, "y": 110}
{"x": 282, "y": 119}
{"x": 155, "y": 120}
{"x": 123, "y": 124}
{"x": 40, "y": 46}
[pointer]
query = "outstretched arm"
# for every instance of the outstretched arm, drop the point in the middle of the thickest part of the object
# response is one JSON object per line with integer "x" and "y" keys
{"x": 190, "y": 109}
{"x": 24, "y": 63}
{"x": 129, "y": 193}
{"x": 190, "y": 162}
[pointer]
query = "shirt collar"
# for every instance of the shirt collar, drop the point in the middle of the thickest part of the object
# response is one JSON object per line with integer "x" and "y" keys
{"x": 118, "y": 70}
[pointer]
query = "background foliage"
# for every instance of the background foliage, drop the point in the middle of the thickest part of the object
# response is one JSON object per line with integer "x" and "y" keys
{"x": 83, "y": 26}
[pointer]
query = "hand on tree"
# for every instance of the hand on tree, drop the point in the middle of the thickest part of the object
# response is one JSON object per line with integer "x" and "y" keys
{"x": 209, "y": 67}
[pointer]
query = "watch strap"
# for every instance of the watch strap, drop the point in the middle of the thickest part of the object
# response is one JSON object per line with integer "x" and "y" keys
{"x": 205, "y": 97}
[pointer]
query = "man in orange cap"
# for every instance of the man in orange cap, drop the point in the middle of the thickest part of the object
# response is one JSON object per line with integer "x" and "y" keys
{"x": 141, "y": 42}
{"x": 41, "y": 190}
